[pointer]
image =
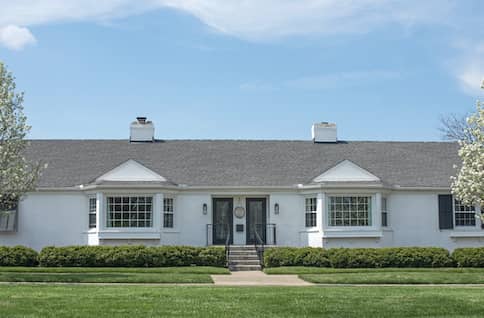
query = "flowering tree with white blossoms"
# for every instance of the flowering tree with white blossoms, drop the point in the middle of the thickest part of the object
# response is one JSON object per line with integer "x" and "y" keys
{"x": 468, "y": 186}
{"x": 17, "y": 174}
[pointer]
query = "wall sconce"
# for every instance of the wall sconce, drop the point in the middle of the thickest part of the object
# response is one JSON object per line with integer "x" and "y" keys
{"x": 205, "y": 208}
{"x": 276, "y": 208}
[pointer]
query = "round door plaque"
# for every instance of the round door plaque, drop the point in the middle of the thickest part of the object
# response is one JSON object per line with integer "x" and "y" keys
{"x": 239, "y": 212}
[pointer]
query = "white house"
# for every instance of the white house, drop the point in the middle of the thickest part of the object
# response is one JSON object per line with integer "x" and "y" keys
{"x": 324, "y": 192}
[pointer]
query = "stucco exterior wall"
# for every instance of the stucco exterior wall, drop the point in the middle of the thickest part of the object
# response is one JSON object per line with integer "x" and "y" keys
{"x": 50, "y": 219}
{"x": 414, "y": 220}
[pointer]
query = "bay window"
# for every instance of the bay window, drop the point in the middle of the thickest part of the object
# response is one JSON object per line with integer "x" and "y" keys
{"x": 349, "y": 210}
{"x": 130, "y": 211}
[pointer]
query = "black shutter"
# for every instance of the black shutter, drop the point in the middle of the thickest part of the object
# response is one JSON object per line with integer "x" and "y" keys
{"x": 445, "y": 212}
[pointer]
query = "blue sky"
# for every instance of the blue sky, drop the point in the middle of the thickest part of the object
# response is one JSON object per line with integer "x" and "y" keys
{"x": 382, "y": 70}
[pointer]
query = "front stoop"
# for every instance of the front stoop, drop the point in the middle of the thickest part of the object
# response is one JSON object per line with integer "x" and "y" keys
{"x": 244, "y": 258}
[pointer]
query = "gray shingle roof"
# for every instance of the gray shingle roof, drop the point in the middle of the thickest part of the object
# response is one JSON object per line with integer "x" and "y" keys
{"x": 245, "y": 163}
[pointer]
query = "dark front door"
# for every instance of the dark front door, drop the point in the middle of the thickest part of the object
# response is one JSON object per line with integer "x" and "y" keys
{"x": 223, "y": 221}
{"x": 256, "y": 219}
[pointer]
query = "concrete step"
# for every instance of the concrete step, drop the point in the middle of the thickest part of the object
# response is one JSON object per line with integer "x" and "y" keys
{"x": 245, "y": 262}
{"x": 242, "y": 254}
{"x": 245, "y": 267}
{"x": 242, "y": 248}
{"x": 236, "y": 256}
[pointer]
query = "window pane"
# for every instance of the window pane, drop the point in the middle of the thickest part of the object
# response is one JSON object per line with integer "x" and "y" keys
{"x": 168, "y": 220}
{"x": 349, "y": 211}
{"x": 92, "y": 212}
{"x": 384, "y": 219}
{"x": 311, "y": 208}
{"x": 130, "y": 211}
{"x": 464, "y": 214}
{"x": 168, "y": 212}
{"x": 92, "y": 221}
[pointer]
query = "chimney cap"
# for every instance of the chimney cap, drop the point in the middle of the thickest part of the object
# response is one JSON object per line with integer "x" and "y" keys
{"x": 141, "y": 119}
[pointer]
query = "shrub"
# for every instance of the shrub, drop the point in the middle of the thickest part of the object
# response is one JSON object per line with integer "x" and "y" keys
{"x": 212, "y": 256}
{"x": 469, "y": 257}
{"x": 17, "y": 256}
{"x": 359, "y": 257}
{"x": 292, "y": 256}
{"x": 131, "y": 256}
{"x": 390, "y": 257}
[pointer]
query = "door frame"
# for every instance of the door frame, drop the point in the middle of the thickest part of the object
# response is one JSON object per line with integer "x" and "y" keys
{"x": 231, "y": 220}
{"x": 247, "y": 218}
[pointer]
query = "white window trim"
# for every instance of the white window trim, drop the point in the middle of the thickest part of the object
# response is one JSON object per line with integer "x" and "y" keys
{"x": 89, "y": 198}
{"x": 107, "y": 228}
{"x": 464, "y": 228}
{"x": 315, "y": 197}
{"x": 172, "y": 213}
{"x": 386, "y": 211}
{"x": 374, "y": 215}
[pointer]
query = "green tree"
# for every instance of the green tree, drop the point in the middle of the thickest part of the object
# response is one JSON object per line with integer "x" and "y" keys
{"x": 468, "y": 186}
{"x": 17, "y": 174}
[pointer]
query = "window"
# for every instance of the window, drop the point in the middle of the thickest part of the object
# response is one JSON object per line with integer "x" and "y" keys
{"x": 350, "y": 211}
{"x": 92, "y": 213}
{"x": 130, "y": 211}
{"x": 168, "y": 212}
{"x": 465, "y": 215}
{"x": 311, "y": 207}
{"x": 384, "y": 212}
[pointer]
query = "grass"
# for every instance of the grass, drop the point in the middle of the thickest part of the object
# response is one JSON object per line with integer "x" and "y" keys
{"x": 385, "y": 275}
{"x": 110, "y": 275}
{"x": 197, "y": 301}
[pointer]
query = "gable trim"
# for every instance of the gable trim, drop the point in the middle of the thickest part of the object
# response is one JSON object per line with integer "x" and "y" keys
{"x": 346, "y": 171}
{"x": 133, "y": 172}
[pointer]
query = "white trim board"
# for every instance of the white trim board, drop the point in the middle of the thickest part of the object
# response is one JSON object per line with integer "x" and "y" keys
{"x": 346, "y": 171}
{"x": 131, "y": 171}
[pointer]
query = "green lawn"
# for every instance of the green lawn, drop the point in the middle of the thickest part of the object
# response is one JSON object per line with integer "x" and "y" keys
{"x": 385, "y": 275}
{"x": 110, "y": 275}
{"x": 195, "y": 301}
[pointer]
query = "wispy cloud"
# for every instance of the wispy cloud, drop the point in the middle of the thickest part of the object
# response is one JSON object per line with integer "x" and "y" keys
{"x": 342, "y": 79}
{"x": 469, "y": 68}
{"x": 251, "y": 19}
{"x": 324, "y": 81}
{"x": 258, "y": 20}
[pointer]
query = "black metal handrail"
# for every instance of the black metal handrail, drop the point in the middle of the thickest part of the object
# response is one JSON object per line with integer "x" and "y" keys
{"x": 210, "y": 230}
{"x": 227, "y": 245}
{"x": 260, "y": 243}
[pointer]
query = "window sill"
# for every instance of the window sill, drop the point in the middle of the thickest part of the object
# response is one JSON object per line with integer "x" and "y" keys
{"x": 469, "y": 233}
{"x": 310, "y": 230}
{"x": 129, "y": 234}
{"x": 351, "y": 234}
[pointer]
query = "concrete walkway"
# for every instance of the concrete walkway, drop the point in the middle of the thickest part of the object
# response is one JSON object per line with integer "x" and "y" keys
{"x": 257, "y": 278}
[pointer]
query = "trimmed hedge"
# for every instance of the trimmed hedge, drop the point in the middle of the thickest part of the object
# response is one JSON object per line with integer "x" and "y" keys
{"x": 469, "y": 257}
{"x": 17, "y": 256}
{"x": 359, "y": 257}
{"x": 293, "y": 256}
{"x": 164, "y": 256}
{"x": 131, "y": 256}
